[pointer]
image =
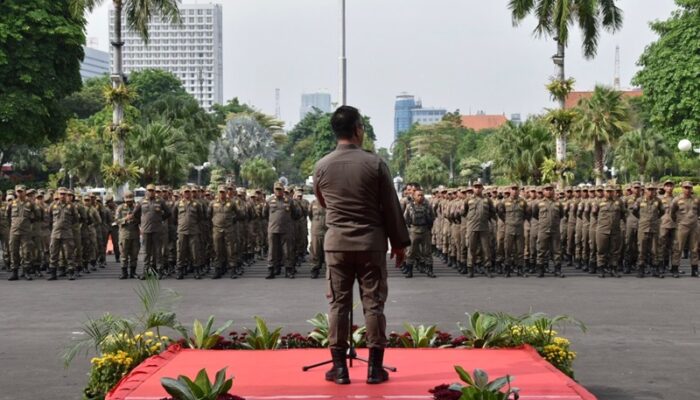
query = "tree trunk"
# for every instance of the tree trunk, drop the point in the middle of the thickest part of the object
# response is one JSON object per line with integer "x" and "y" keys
{"x": 118, "y": 144}
{"x": 598, "y": 154}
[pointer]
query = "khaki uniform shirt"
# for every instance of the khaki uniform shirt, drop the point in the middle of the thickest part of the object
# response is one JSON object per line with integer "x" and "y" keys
{"x": 63, "y": 217}
{"x": 281, "y": 213}
{"x": 648, "y": 214}
{"x": 222, "y": 214}
{"x": 151, "y": 213}
{"x": 513, "y": 213}
{"x": 548, "y": 214}
{"x": 21, "y": 215}
{"x": 685, "y": 211}
{"x": 608, "y": 214}
{"x": 479, "y": 212}
{"x": 188, "y": 216}
{"x": 317, "y": 215}
{"x": 128, "y": 227}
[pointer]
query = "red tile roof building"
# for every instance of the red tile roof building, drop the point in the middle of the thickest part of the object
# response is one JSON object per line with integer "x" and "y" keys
{"x": 480, "y": 122}
{"x": 574, "y": 97}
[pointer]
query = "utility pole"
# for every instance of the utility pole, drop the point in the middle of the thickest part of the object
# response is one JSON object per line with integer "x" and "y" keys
{"x": 343, "y": 60}
{"x": 616, "y": 81}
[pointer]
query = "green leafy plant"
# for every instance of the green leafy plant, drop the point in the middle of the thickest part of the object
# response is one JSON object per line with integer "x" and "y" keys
{"x": 321, "y": 329}
{"x": 418, "y": 336}
{"x": 202, "y": 335}
{"x": 184, "y": 388}
{"x": 484, "y": 330}
{"x": 478, "y": 387}
{"x": 119, "y": 95}
{"x": 559, "y": 89}
{"x": 114, "y": 175}
{"x": 261, "y": 338}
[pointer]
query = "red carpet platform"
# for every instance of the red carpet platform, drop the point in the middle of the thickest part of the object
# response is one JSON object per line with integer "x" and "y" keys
{"x": 277, "y": 374}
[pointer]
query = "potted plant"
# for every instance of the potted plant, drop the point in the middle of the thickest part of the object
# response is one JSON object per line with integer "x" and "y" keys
{"x": 201, "y": 388}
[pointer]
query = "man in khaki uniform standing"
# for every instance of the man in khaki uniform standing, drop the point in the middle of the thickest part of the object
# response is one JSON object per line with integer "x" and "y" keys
{"x": 548, "y": 212}
{"x": 419, "y": 218}
{"x": 21, "y": 212}
{"x": 479, "y": 211}
{"x": 281, "y": 212}
{"x": 188, "y": 215}
{"x": 129, "y": 242}
{"x": 609, "y": 212}
{"x": 513, "y": 212}
{"x": 362, "y": 211}
{"x": 648, "y": 211}
{"x": 684, "y": 212}
{"x": 667, "y": 233}
{"x": 63, "y": 216}
{"x": 317, "y": 215}
{"x": 222, "y": 213}
{"x": 631, "y": 229}
{"x": 151, "y": 212}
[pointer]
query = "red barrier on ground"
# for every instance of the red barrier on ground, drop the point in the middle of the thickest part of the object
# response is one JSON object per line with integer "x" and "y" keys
{"x": 278, "y": 375}
{"x": 110, "y": 246}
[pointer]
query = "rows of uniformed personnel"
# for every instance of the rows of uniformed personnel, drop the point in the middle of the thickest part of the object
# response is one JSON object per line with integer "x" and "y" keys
{"x": 185, "y": 231}
{"x": 599, "y": 230}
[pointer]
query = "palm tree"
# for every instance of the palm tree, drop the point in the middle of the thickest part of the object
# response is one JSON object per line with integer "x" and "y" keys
{"x": 243, "y": 138}
{"x": 138, "y": 14}
{"x": 643, "y": 152}
{"x": 521, "y": 150}
{"x": 603, "y": 119}
{"x": 439, "y": 140}
{"x": 556, "y": 17}
{"x": 161, "y": 151}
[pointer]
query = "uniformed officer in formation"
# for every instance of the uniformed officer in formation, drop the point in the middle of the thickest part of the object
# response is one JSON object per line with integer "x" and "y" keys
{"x": 419, "y": 218}
{"x": 317, "y": 215}
{"x": 281, "y": 211}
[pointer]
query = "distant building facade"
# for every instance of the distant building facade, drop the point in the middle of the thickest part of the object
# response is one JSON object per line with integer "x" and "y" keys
{"x": 95, "y": 63}
{"x": 192, "y": 50}
{"x": 482, "y": 121}
{"x": 309, "y": 101}
{"x": 409, "y": 111}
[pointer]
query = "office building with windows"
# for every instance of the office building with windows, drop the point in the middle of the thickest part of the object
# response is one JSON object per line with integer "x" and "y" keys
{"x": 309, "y": 101}
{"x": 409, "y": 111}
{"x": 95, "y": 63}
{"x": 191, "y": 50}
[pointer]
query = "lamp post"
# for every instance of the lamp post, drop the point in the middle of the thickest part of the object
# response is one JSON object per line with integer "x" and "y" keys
{"x": 686, "y": 145}
{"x": 199, "y": 169}
{"x": 343, "y": 60}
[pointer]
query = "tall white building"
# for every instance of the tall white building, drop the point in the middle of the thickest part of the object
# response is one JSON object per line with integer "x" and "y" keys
{"x": 192, "y": 50}
{"x": 319, "y": 100}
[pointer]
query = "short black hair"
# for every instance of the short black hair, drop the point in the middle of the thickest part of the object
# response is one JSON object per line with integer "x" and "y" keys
{"x": 345, "y": 121}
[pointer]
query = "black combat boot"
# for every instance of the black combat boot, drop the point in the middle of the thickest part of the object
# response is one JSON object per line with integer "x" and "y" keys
{"x": 592, "y": 268}
{"x": 375, "y": 367}
{"x": 197, "y": 272}
{"x": 180, "y": 274}
{"x": 694, "y": 271}
{"x": 471, "y": 271}
{"x": 603, "y": 269}
{"x": 628, "y": 268}
{"x": 62, "y": 272}
{"x": 13, "y": 276}
{"x": 489, "y": 271}
{"x": 124, "y": 274}
{"x": 52, "y": 275}
{"x": 674, "y": 271}
{"x": 339, "y": 372}
{"x": 507, "y": 270}
{"x": 26, "y": 275}
{"x": 132, "y": 272}
{"x": 409, "y": 270}
{"x": 450, "y": 262}
{"x": 661, "y": 271}
{"x": 218, "y": 272}
{"x": 616, "y": 272}
{"x": 640, "y": 271}
{"x": 271, "y": 272}
{"x": 71, "y": 275}
{"x": 540, "y": 271}
{"x": 289, "y": 272}
{"x": 558, "y": 272}
{"x": 315, "y": 272}
{"x": 429, "y": 271}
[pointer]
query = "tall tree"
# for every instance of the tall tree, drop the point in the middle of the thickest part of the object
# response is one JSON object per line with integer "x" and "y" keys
{"x": 428, "y": 171}
{"x": 555, "y": 18}
{"x": 40, "y": 52}
{"x": 669, "y": 74}
{"x": 259, "y": 173}
{"x": 643, "y": 154}
{"x": 519, "y": 151}
{"x": 138, "y": 14}
{"x": 80, "y": 155}
{"x": 161, "y": 151}
{"x": 243, "y": 139}
{"x": 152, "y": 84}
{"x": 603, "y": 119}
{"x": 89, "y": 100}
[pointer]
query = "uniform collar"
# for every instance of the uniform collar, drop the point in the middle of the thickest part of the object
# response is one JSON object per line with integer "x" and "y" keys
{"x": 348, "y": 146}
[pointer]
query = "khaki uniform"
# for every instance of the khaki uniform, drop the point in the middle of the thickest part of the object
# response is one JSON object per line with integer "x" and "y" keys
{"x": 188, "y": 215}
{"x": 89, "y": 236}
{"x": 667, "y": 232}
{"x": 63, "y": 217}
{"x": 129, "y": 242}
{"x": 281, "y": 213}
{"x": 608, "y": 215}
{"x": 362, "y": 211}
{"x": 684, "y": 212}
{"x": 479, "y": 212}
{"x": 648, "y": 213}
{"x": 5, "y": 235}
{"x": 420, "y": 218}
{"x": 571, "y": 212}
{"x": 151, "y": 213}
{"x": 631, "y": 252}
{"x": 548, "y": 214}
{"x": 317, "y": 215}
{"x": 513, "y": 213}
{"x": 223, "y": 215}
{"x": 21, "y": 214}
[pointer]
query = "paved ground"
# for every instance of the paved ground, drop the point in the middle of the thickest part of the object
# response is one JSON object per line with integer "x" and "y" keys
{"x": 642, "y": 343}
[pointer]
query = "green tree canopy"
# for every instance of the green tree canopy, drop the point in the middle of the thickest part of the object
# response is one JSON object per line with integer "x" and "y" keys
{"x": 161, "y": 151}
{"x": 669, "y": 75}
{"x": 259, "y": 173}
{"x": 428, "y": 171}
{"x": 89, "y": 99}
{"x": 81, "y": 154}
{"x": 153, "y": 84}
{"x": 40, "y": 52}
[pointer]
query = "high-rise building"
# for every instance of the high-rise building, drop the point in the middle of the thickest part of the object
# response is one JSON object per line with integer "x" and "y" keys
{"x": 409, "y": 111}
{"x": 309, "y": 101}
{"x": 192, "y": 50}
{"x": 95, "y": 63}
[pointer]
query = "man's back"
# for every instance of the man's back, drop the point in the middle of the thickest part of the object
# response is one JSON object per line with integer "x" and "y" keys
{"x": 361, "y": 206}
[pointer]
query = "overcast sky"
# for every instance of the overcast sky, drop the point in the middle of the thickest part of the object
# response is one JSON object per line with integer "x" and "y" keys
{"x": 456, "y": 54}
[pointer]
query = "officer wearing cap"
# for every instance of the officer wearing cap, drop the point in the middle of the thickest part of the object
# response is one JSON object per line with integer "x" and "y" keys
{"x": 35, "y": 247}
{"x": 648, "y": 211}
{"x": 548, "y": 213}
{"x": 44, "y": 201}
{"x": 302, "y": 230}
{"x": 667, "y": 231}
{"x": 63, "y": 217}
{"x": 684, "y": 212}
{"x": 513, "y": 212}
{"x": 89, "y": 233}
{"x": 223, "y": 213}
{"x": 5, "y": 230}
{"x": 479, "y": 211}
{"x": 188, "y": 215}
{"x": 609, "y": 213}
{"x": 129, "y": 242}
{"x": 630, "y": 254}
{"x": 281, "y": 211}
{"x": 151, "y": 212}
{"x": 419, "y": 219}
{"x": 21, "y": 212}
{"x": 317, "y": 215}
